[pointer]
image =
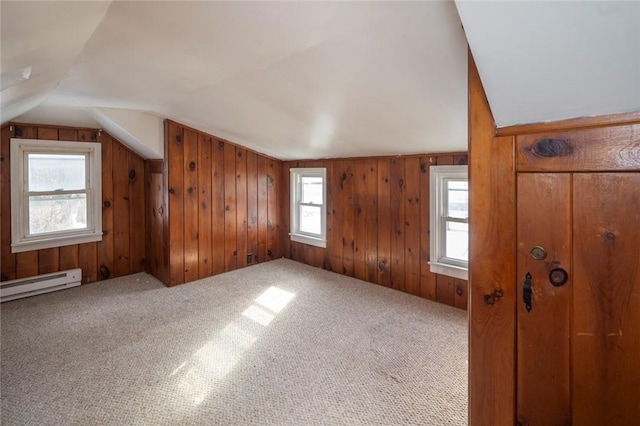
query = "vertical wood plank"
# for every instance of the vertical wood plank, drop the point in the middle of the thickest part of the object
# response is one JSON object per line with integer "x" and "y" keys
{"x": 150, "y": 215}
{"x": 191, "y": 210}
{"x": 67, "y": 134}
{"x": 8, "y": 263}
{"x": 285, "y": 210}
{"x": 397, "y": 224}
{"x": 241, "y": 207}
{"x": 606, "y": 298}
{"x": 461, "y": 159}
{"x": 461, "y": 294}
{"x": 230, "y": 220}
{"x": 543, "y": 382}
{"x": 348, "y": 244}
{"x": 427, "y": 278}
{"x": 274, "y": 170}
{"x": 445, "y": 289}
{"x": 69, "y": 257}
{"x": 88, "y": 260}
{"x": 370, "y": 207}
{"x": 412, "y": 201}
{"x": 121, "y": 203}
{"x": 105, "y": 248}
{"x": 88, "y": 135}
{"x": 491, "y": 265}
{"x": 159, "y": 248}
{"x": 335, "y": 199}
{"x": 359, "y": 230}
{"x": 27, "y": 264}
{"x": 175, "y": 187}
{"x": 47, "y": 133}
{"x": 384, "y": 222}
{"x": 332, "y": 223}
{"x": 48, "y": 260}
{"x": 137, "y": 217}
{"x": 262, "y": 209}
{"x": 26, "y": 132}
{"x": 205, "y": 233}
{"x": 154, "y": 248}
{"x": 445, "y": 160}
{"x": 252, "y": 205}
{"x": 217, "y": 206}
{"x": 297, "y": 251}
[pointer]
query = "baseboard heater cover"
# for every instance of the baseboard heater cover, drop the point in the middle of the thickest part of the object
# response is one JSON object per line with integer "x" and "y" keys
{"x": 45, "y": 283}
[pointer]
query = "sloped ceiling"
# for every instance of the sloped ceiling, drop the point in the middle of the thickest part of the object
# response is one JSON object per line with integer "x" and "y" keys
{"x": 40, "y": 41}
{"x": 317, "y": 79}
{"x": 290, "y": 79}
{"x": 544, "y": 61}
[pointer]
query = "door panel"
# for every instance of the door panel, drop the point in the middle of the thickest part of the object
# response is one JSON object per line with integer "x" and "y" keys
{"x": 606, "y": 299}
{"x": 543, "y": 338}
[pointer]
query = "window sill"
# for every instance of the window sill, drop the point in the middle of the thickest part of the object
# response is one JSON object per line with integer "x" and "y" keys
{"x": 305, "y": 239}
{"x": 449, "y": 270}
{"x": 43, "y": 243}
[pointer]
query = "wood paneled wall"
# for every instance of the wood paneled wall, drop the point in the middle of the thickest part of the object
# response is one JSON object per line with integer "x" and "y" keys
{"x": 221, "y": 206}
{"x": 377, "y": 224}
{"x": 121, "y": 250}
{"x": 492, "y": 271}
{"x": 155, "y": 211}
{"x": 601, "y": 384}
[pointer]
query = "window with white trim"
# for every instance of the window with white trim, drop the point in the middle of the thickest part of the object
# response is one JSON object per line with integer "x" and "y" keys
{"x": 56, "y": 193}
{"x": 308, "y": 206}
{"x": 449, "y": 196}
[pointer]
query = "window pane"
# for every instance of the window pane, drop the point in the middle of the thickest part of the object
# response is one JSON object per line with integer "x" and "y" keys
{"x": 458, "y": 198}
{"x": 311, "y": 190}
{"x": 310, "y": 219}
{"x": 457, "y": 241}
{"x": 50, "y": 172}
{"x": 49, "y": 213}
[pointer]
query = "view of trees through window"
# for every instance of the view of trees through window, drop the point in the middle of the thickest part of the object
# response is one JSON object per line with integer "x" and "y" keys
{"x": 57, "y": 192}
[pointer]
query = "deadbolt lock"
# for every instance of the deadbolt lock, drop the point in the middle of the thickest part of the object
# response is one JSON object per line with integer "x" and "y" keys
{"x": 538, "y": 252}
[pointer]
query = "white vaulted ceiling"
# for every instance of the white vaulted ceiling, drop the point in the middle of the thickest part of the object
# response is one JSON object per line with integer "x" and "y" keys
{"x": 543, "y": 61}
{"x": 40, "y": 41}
{"x": 312, "y": 79}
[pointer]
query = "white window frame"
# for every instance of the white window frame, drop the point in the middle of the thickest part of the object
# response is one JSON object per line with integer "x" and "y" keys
{"x": 296, "y": 174}
{"x": 21, "y": 239}
{"x": 439, "y": 263}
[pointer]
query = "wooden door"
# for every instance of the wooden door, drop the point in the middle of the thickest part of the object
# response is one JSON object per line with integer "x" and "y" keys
{"x": 578, "y": 347}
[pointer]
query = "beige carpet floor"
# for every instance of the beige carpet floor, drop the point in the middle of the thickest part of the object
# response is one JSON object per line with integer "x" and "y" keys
{"x": 278, "y": 343}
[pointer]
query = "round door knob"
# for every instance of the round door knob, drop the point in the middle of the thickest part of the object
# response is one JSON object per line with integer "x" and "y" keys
{"x": 558, "y": 276}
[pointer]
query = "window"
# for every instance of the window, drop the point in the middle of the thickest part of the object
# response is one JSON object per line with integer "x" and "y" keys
{"x": 55, "y": 193}
{"x": 449, "y": 195}
{"x": 308, "y": 208}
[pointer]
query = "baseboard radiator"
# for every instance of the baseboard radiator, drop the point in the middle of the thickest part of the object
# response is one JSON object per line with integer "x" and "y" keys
{"x": 45, "y": 283}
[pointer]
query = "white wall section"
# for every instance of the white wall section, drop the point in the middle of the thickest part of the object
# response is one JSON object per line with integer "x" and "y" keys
{"x": 544, "y": 61}
{"x": 142, "y": 132}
